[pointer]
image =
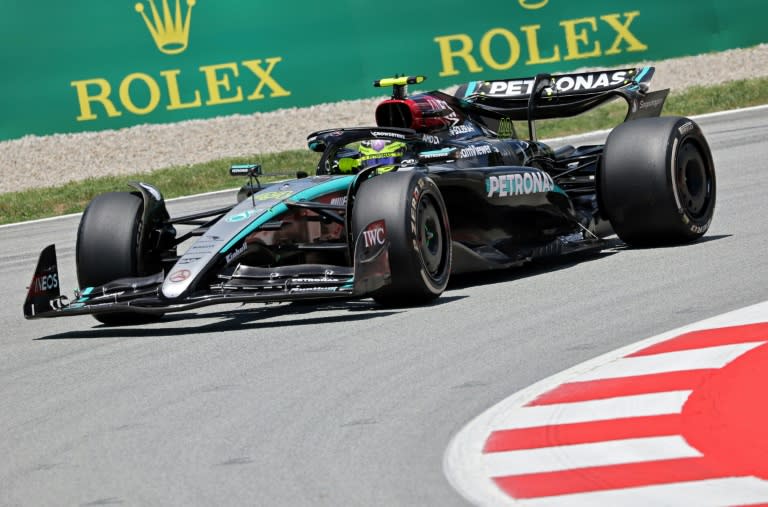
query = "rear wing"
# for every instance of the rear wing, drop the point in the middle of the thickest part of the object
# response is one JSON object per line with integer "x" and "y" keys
{"x": 548, "y": 96}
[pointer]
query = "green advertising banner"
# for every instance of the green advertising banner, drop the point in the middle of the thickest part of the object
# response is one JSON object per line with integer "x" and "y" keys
{"x": 84, "y": 65}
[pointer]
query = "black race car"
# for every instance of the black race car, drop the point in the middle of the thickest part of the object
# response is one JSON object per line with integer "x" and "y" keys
{"x": 442, "y": 184}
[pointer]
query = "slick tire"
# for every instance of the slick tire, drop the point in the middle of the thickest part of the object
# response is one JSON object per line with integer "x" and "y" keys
{"x": 108, "y": 248}
{"x": 656, "y": 181}
{"x": 417, "y": 226}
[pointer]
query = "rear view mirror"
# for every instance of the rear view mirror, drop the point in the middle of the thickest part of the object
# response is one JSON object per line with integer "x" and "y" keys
{"x": 317, "y": 145}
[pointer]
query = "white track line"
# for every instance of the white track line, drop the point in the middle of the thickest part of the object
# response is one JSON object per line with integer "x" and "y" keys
{"x": 707, "y": 493}
{"x": 709, "y": 357}
{"x": 640, "y": 405}
{"x": 568, "y": 457}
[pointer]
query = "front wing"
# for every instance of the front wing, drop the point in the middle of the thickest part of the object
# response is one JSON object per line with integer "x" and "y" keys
{"x": 238, "y": 284}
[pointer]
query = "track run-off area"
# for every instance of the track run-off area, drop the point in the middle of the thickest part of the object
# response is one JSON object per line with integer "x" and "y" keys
{"x": 347, "y": 403}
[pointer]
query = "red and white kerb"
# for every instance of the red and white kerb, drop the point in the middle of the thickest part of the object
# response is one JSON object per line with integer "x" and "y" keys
{"x": 682, "y": 421}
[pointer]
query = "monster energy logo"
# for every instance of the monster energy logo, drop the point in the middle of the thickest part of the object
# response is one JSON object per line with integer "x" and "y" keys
{"x": 506, "y": 128}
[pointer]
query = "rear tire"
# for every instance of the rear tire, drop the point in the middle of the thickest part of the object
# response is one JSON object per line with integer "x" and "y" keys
{"x": 108, "y": 248}
{"x": 657, "y": 181}
{"x": 419, "y": 234}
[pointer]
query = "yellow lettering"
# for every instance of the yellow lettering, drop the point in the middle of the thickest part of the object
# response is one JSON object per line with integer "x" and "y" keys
{"x": 125, "y": 93}
{"x": 174, "y": 97}
{"x": 221, "y": 82}
{"x": 573, "y": 38}
{"x": 534, "y": 56}
{"x": 485, "y": 48}
{"x": 623, "y": 33}
{"x": 102, "y": 97}
{"x": 265, "y": 78}
{"x": 464, "y": 52}
{"x": 538, "y": 5}
{"x": 216, "y": 83}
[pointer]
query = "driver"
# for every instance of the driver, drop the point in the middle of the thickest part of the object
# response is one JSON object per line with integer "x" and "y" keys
{"x": 381, "y": 152}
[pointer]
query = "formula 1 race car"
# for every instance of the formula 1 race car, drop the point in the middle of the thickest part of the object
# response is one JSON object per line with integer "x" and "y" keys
{"x": 442, "y": 184}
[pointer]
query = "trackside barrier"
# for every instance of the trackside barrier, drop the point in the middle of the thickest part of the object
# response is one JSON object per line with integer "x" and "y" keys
{"x": 78, "y": 66}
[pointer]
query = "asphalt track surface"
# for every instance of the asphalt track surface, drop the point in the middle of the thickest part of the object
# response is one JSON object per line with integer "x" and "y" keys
{"x": 343, "y": 403}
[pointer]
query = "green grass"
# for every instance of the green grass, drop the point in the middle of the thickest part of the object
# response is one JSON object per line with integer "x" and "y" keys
{"x": 187, "y": 180}
{"x": 173, "y": 182}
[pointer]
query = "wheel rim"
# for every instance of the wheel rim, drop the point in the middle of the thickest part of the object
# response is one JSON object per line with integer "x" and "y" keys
{"x": 694, "y": 181}
{"x": 431, "y": 237}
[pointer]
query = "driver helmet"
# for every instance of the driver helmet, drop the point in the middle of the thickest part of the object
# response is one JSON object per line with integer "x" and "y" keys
{"x": 381, "y": 151}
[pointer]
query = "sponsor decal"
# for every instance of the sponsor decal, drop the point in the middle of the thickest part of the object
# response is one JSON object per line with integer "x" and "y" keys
{"x": 506, "y": 128}
{"x": 649, "y": 104}
{"x": 425, "y": 155}
{"x": 511, "y": 88}
{"x": 203, "y": 245}
{"x": 312, "y": 289}
{"x": 685, "y": 128}
{"x": 171, "y": 36}
{"x": 430, "y": 139}
{"x": 476, "y": 150}
{"x": 575, "y": 83}
{"x": 276, "y": 195}
{"x": 523, "y": 183}
{"x": 243, "y": 215}
{"x": 45, "y": 282}
{"x": 188, "y": 260}
{"x": 325, "y": 279}
{"x": 415, "y": 198}
{"x": 700, "y": 229}
{"x": 179, "y": 276}
{"x": 141, "y": 93}
{"x": 394, "y": 135}
{"x": 339, "y": 201}
{"x": 593, "y": 81}
{"x": 461, "y": 129}
{"x": 532, "y": 5}
{"x": 217, "y": 90}
{"x": 375, "y": 234}
{"x": 236, "y": 253}
{"x": 501, "y": 48}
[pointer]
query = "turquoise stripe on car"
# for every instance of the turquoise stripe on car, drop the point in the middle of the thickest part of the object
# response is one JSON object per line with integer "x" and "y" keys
{"x": 334, "y": 185}
{"x": 642, "y": 73}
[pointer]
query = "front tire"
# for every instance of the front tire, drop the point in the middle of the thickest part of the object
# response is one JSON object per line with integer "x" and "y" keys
{"x": 657, "y": 181}
{"x": 419, "y": 234}
{"x": 108, "y": 248}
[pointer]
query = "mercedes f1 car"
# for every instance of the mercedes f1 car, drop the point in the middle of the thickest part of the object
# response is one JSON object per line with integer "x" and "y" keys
{"x": 441, "y": 184}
